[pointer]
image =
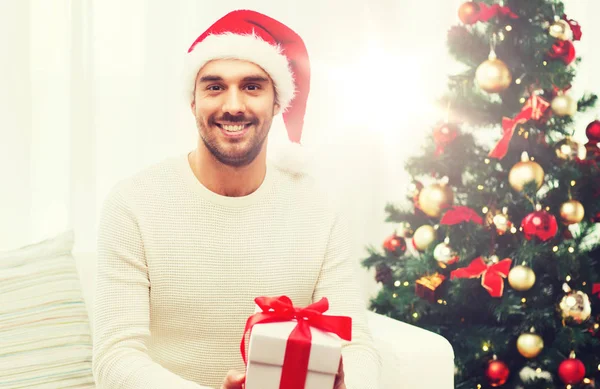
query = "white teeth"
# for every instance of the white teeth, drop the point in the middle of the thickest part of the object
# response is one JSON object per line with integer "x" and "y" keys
{"x": 232, "y": 128}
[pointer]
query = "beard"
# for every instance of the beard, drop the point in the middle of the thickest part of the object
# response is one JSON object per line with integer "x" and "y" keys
{"x": 240, "y": 156}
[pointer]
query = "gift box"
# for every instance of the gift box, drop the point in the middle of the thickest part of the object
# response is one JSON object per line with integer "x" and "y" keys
{"x": 426, "y": 287}
{"x": 293, "y": 348}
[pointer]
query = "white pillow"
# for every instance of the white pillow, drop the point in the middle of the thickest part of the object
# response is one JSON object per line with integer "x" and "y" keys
{"x": 45, "y": 338}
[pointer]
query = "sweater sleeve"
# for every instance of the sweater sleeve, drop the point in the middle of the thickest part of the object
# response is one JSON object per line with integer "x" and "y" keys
{"x": 338, "y": 281}
{"x": 121, "y": 310}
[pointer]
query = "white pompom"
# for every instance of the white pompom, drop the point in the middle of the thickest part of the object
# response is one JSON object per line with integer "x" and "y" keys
{"x": 528, "y": 374}
{"x": 291, "y": 157}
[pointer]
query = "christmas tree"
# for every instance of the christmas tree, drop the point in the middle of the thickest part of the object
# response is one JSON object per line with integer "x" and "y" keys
{"x": 494, "y": 249}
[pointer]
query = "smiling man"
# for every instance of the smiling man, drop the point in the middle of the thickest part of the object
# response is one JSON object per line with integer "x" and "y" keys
{"x": 186, "y": 245}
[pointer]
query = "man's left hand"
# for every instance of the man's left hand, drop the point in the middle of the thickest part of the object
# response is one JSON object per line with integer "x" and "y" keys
{"x": 339, "y": 377}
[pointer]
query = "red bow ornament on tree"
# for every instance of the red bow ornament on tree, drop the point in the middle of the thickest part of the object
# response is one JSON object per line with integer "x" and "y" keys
{"x": 596, "y": 290}
{"x": 486, "y": 12}
{"x": 492, "y": 276}
{"x": 460, "y": 214}
{"x": 534, "y": 108}
{"x": 297, "y": 351}
{"x": 575, "y": 28}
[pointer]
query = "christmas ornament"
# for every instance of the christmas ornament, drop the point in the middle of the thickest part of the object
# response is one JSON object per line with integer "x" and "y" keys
{"x": 564, "y": 105}
{"x": 434, "y": 198}
{"x": 530, "y": 345}
{"x": 575, "y": 28}
{"x": 501, "y": 222}
{"x": 460, "y": 214}
{"x": 562, "y": 50}
{"x": 383, "y": 274}
{"x": 492, "y": 274}
{"x": 571, "y": 212}
{"x": 424, "y": 236}
{"x": 493, "y": 76}
{"x": 444, "y": 254}
{"x": 571, "y": 371}
{"x": 443, "y": 135}
{"x": 497, "y": 373}
{"x": 570, "y": 150}
{"x": 524, "y": 172}
{"x": 561, "y": 30}
{"x": 592, "y": 131}
{"x": 540, "y": 225}
{"x": 575, "y": 306}
{"x": 426, "y": 287}
{"x": 534, "y": 109}
{"x": 468, "y": 12}
{"x": 395, "y": 245}
{"x": 404, "y": 230}
{"x": 521, "y": 278}
{"x": 527, "y": 374}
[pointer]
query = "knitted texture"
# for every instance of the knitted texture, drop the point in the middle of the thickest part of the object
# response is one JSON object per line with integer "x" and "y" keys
{"x": 179, "y": 267}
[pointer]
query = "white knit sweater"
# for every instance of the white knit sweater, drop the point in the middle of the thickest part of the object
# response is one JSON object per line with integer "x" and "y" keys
{"x": 179, "y": 267}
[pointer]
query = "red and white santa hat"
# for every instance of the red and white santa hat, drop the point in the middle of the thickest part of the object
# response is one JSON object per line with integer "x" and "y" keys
{"x": 277, "y": 49}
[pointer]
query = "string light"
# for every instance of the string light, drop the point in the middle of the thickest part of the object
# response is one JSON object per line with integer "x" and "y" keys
{"x": 397, "y": 284}
{"x": 555, "y": 248}
{"x": 547, "y": 208}
{"x": 568, "y": 278}
{"x": 538, "y": 370}
{"x": 523, "y": 300}
{"x": 484, "y": 209}
{"x": 586, "y": 381}
{"x": 406, "y": 283}
{"x": 573, "y": 183}
{"x": 487, "y": 161}
{"x": 415, "y": 315}
{"x": 522, "y": 100}
{"x": 598, "y": 367}
{"x": 545, "y": 63}
{"x": 508, "y": 28}
{"x": 518, "y": 81}
{"x": 440, "y": 301}
{"x": 513, "y": 229}
{"x": 480, "y": 187}
{"x": 584, "y": 283}
{"x": 394, "y": 295}
{"x": 571, "y": 249}
{"x": 485, "y": 347}
{"x": 478, "y": 386}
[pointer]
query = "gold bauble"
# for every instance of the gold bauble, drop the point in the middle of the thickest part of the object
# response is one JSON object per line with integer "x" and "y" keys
{"x": 530, "y": 345}
{"x": 575, "y": 306}
{"x": 524, "y": 172}
{"x": 521, "y": 278}
{"x": 561, "y": 30}
{"x": 571, "y": 212}
{"x": 564, "y": 105}
{"x": 424, "y": 236}
{"x": 568, "y": 150}
{"x": 493, "y": 76}
{"x": 435, "y": 198}
{"x": 445, "y": 255}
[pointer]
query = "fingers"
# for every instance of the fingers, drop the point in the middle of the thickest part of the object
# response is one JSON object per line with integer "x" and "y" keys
{"x": 233, "y": 380}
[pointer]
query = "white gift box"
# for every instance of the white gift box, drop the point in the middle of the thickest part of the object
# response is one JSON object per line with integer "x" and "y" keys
{"x": 266, "y": 351}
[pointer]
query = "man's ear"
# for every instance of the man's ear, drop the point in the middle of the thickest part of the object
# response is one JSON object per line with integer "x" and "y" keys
{"x": 276, "y": 109}
{"x": 193, "y": 106}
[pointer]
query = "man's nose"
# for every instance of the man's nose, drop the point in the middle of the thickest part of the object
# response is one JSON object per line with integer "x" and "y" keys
{"x": 234, "y": 102}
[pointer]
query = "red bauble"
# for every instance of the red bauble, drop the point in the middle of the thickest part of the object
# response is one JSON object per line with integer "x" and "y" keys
{"x": 468, "y": 12}
{"x": 563, "y": 50}
{"x": 497, "y": 373}
{"x": 593, "y": 131}
{"x": 395, "y": 245}
{"x": 540, "y": 225}
{"x": 443, "y": 135}
{"x": 571, "y": 371}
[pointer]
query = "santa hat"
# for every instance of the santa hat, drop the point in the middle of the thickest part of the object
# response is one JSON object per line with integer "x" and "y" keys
{"x": 278, "y": 50}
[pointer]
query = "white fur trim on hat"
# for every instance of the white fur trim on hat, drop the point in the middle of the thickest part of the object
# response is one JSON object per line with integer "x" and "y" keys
{"x": 247, "y": 47}
{"x": 291, "y": 157}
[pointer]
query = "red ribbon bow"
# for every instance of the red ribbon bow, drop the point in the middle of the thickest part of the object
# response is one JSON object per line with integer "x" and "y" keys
{"x": 575, "y": 28}
{"x": 459, "y": 214}
{"x": 297, "y": 351}
{"x": 534, "y": 108}
{"x": 491, "y": 275}
{"x": 487, "y": 12}
{"x": 596, "y": 289}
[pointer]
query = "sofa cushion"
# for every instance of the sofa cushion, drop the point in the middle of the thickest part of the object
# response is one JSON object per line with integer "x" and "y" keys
{"x": 44, "y": 326}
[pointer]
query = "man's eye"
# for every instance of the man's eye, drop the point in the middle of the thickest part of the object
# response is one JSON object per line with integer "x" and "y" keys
{"x": 253, "y": 87}
{"x": 214, "y": 88}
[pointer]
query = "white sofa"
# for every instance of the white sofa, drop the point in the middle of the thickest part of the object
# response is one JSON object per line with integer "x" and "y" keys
{"x": 409, "y": 353}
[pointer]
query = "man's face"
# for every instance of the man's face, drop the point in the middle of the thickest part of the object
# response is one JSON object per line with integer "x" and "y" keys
{"x": 234, "y": 105}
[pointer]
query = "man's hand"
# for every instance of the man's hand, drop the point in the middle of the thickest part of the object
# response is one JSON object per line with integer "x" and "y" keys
{"x": 234, "y": 380}
{"x": 339, "y": 378}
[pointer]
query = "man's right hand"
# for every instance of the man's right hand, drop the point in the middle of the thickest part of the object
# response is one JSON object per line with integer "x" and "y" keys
{"x": 234, "y": 380}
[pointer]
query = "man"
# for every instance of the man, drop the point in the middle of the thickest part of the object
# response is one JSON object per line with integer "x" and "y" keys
{"x": 186, "y": 245}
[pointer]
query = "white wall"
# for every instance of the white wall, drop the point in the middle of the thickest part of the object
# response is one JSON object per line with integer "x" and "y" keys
{"x": 91, "y": 94}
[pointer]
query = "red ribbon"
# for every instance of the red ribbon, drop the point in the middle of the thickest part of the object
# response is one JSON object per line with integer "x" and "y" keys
{"x": 459, "y": 214}
{"x": 491, "y": 275}
{"x": 534, "y": 108}
{"x": 297, "y": 351}
{"x": 575, "y": 28}
{"x": 487, "y": 12}
{"x": 596, "y": 289}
